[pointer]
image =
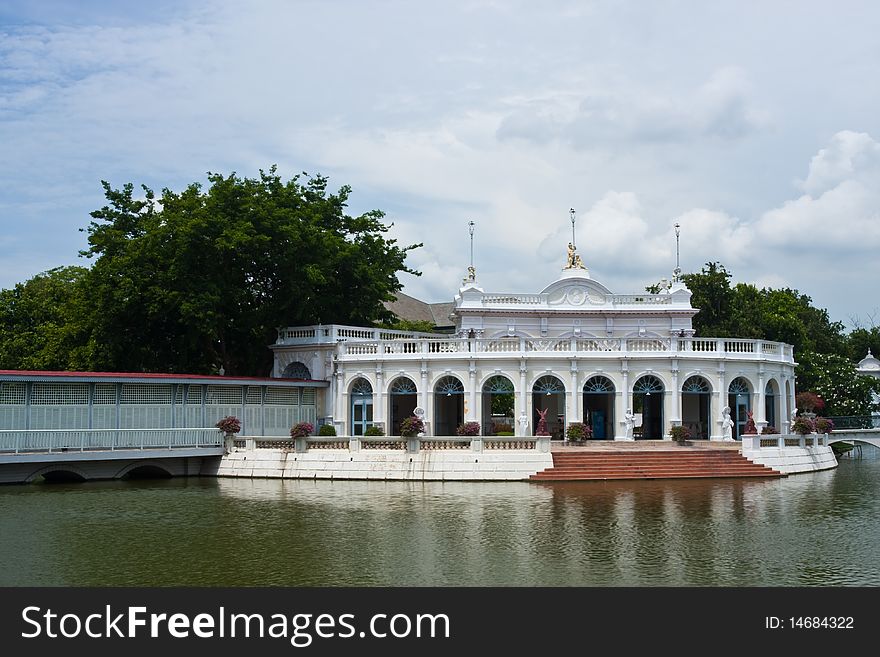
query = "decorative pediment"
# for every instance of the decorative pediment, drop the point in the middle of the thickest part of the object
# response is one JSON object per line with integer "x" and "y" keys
{"x": 576, "y": 292}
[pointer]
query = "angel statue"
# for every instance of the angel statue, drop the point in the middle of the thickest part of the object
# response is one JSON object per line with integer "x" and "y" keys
{"x": 542, "y": 423}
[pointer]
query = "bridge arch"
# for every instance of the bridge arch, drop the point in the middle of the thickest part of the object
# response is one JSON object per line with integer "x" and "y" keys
{"x": 58, "y": 472}
{"x": 145, "y": 469}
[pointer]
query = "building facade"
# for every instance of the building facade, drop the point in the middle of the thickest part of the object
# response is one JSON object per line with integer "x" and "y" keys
{"x": 628, "y": 365}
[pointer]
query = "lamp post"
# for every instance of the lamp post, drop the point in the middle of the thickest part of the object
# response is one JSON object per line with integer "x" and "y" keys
{"x": 573, "y": 215}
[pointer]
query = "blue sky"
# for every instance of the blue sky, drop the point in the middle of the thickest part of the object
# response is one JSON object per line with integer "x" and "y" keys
{"x": 753, "y": 125}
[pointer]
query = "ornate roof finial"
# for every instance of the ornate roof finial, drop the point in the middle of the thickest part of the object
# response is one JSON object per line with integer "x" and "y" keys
{"x": 472, "y": 272}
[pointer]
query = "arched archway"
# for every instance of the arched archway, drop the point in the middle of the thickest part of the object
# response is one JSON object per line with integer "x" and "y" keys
{"x": 771, "y": 404}
{"x": 696, "y": 396}
{"x": 548, "y": 394}
{"x": 599, "y": 406}
{"x": 360, "y": 406}
{"x": 739, "y": 398}
{"x": 648, "y": 394}
{"x": 448, "y": 405}
{"x": 59, "y": 473}
{"x": 147, "y": 471}
{"x": 498, "y": 405}
{"x": 402, "y": 401}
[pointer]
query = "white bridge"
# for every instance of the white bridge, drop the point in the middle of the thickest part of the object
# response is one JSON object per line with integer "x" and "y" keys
{"x": 86, "y": 454}
{"x": 855, "y": 436}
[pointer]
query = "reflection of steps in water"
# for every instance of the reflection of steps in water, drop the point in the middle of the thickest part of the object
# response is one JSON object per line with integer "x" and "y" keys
{"x": 653, "y": 464}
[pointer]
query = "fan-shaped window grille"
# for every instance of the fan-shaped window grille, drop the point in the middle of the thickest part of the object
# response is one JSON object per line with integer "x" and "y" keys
{"x": 648, "y": 384}
{"x": 548, "y": 385}
{"x": 738, "y": 386}
{"x": 362, "y": 388}
{"x": 598, "y": 384}
{"x": 498, "y": 385}
{"x": 296, "y": 370}
{"x": 449, "y": 385}
{"x": 696, "y": 385}
{"x": 403, "y": 386}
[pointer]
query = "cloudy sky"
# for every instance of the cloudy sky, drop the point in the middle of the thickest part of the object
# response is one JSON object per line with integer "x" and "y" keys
{"x": 755, "y": 125}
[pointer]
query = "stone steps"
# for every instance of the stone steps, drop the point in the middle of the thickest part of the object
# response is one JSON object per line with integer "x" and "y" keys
{"x": 656, "y": 464}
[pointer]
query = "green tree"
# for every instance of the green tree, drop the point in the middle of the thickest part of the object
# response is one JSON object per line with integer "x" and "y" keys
{"x": 201, "y": 279}
{"x": 712, "y": 294}
{"x": 41, "y": 322}
{"x": 835, "y": 380}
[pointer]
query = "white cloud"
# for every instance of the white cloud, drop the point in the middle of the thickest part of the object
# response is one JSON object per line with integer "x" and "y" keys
{"x": 721, "y": 107}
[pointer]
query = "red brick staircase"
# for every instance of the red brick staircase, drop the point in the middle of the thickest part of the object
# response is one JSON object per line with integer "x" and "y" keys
{"x": 677, "y": 463}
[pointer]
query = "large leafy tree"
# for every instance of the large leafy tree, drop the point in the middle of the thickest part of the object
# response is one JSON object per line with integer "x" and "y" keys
{"x": 42, "y": 323}
{"x": 201, "y": 279}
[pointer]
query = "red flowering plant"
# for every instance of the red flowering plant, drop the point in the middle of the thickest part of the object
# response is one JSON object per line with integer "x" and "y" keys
{"x": 302, "y": 430}
{"x": 468, "y": 429}
{"x": 229, "y": 424}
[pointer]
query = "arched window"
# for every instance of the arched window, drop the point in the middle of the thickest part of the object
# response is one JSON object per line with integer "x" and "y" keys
{"x": 696, "y": 384}
{"x": 449, "y": 385}
{"x": 548, "y": 385}
{"x": 598, "y": 384}
{"x": 296, "y": 370}
{"x": 403, "y": 386}
{"x": 361, "y": 406}
{"x": 648, "y": 385}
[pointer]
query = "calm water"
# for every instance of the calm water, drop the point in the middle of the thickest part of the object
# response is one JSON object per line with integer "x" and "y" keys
{"x": 815, "y": 529}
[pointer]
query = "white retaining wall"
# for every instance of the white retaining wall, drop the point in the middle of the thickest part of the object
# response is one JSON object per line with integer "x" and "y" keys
{"x": 427, "y": 465}
{"x": 814, "y": 455}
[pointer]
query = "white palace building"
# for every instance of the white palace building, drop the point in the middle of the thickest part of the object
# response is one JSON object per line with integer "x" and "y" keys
{"x": 629, "y": 365}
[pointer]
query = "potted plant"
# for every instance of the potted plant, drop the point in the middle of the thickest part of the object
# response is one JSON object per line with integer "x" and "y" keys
{"x": 824, "y": 425}
{"x": 229, "y": 426}
{"x": 374, "y": 430}
{"x": 327, "y": 430}
{"x": 680, "y": 434}
{"x": 302, "y": 430}
{"x": 803, "y": 425}
{"x": 578, "y": 432}
{"x": 468, "y": 429}
{"x": 411, "y": 427}
{"x": 769, "y": 430}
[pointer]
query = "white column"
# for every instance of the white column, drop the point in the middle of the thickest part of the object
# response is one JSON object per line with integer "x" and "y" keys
{"x": 379, "y": 399}
{"x": 759, "y": 406}
{"x": 675, "y": 416}
{"x": 471, "y": 415}
{"x": 622, "y": 404}
{"x": 721, "y": 397}
{"x": 425, "y": 399}
{"x": 523, "y": 406}
{"x": 339, "y": 412}
{"x": 576, "y": 415}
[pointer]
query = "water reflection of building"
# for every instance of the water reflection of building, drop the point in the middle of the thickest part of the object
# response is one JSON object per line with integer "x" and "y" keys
{"x": 575, "y": 350}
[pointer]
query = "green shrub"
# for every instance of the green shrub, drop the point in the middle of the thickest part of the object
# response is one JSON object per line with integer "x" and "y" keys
{"x": 374, "y": 430}
{"x": 327, "y": 430}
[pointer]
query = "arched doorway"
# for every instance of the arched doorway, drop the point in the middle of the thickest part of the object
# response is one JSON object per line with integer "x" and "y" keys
{"x": 498, "y": 405}
{"x": 599, "y": 406}
{"x": 402, "y": 401}
{"x": 448, "y": 406}
{"x": 548, "y": 394}
{"x": 771, "y": 404}
{"x": 696, "y": 395}
{"x": 648, "y": 400}
{"x": 739, "y": 398}
{"x": 361, "y": 397}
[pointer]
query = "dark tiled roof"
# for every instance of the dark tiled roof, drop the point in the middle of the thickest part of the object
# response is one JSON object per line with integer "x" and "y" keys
{"x": 415, "y": 310}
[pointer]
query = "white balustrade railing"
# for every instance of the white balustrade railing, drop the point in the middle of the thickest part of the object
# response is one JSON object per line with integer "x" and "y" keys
{"x": 397, "y": 443}
{"x": 19, "y": 441}
{"x": 780, "y": 441}
{"x": 434, "y": 347}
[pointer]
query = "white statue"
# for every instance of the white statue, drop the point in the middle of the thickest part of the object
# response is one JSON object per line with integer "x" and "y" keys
{"x": 420, "y": 413}
{"x": 793, "y": 418}
{"x": 523, "y": 424}
{"x": 630, "y": 421}
{"x": 726, "y": 424}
